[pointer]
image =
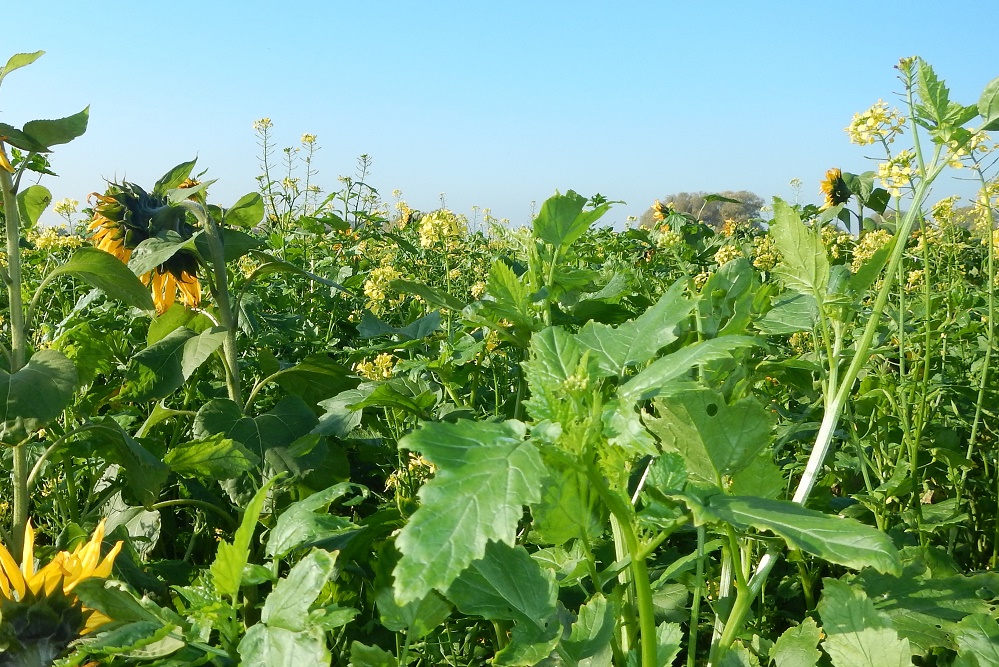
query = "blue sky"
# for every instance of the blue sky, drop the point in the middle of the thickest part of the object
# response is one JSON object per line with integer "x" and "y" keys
{"x": 494, "y": 104}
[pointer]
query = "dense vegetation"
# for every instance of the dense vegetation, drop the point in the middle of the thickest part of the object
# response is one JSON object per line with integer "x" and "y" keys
{"x": 310, "y": 428}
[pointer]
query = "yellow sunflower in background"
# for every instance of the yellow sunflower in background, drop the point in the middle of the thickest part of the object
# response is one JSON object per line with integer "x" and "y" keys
{"x": 40, "y": 613}
{"x": 125, "y": 216}
{"x": 835, "y": 189}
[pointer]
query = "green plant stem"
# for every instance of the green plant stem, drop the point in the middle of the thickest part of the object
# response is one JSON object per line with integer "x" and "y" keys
{"x": 623, "y": 513}
{"x": 18, "y": 350}
{"x": 222, "y": 298}
{"x": 695, "y": 605}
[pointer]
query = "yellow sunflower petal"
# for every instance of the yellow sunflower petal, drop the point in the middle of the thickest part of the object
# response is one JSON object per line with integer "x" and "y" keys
{"x": 103, "y": 570}
{"x": 96, "y": 620}
{"x": 28, "y": 557}
{"x": 13, "y": 572}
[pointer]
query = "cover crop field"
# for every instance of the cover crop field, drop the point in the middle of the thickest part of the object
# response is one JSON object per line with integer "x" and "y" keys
{"x": 319, "y": 428}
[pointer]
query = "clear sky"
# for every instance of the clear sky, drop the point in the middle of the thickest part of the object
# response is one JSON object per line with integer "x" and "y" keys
{"x": 495, "y": 104}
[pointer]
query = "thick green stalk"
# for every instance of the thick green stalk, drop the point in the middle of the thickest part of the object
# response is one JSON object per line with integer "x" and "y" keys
{"x": 226, "y": 316}
{"x": 18, "y": 349}
{"x": 642, "y": 586}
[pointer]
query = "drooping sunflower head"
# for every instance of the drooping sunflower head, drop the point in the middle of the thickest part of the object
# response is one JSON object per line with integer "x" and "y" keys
{"x": 835, "y": 189}
{"x": 125, "y": 216}
{"x": 40, "y": 611}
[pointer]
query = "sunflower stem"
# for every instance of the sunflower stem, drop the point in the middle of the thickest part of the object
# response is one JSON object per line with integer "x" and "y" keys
{"x": 221, "y": 293}
{"x": 18, "y": 346}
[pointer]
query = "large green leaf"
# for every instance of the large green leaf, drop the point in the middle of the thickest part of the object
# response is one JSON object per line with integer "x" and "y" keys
{"x": 145, "y": 474}
{"x": 555, "y": 357}
{"x": 637, "y": 341}
{"x": 791, "y": 313}
{"x": 857, "y": 634}
{"x": 842, "y": 541}
{"x": 592, "y": 629}
{"x": 315, "y": 378}
{"x": 362, "y": 655}
{"x": 50, "y": 133}
{"x": 227, "y": 570}
{"x": 108, "y": 274}
{"x": 804, "y": 266}
{"x": 280, "y": 426}
{"x": 796, "y": 646}
{"x": 156, "y": 250}
{"x": 246, "y": 212}
{"x": 988, "y": 106}
{"x": 486, "y": 473}
{"x": 164, "y": 366}
{"x": 924, "y": 609}
{"x": 214, "y": 457}
{"x": 174, "y": 177}
{"x": 235, "y": 243}
{"x": 308, "y": 522}
{"x": 562, "y": 219}
{"x": 507, "y": 584}
{"x": 31, "y": 202}
{"x": 570, "y": 508}
{"x": 279, "y": 647}
{"x": 508, "y": 297}
{"x": 714, "y": 438}
{"x": 417, "y": 618}
{"x": 656, "y": 378}
{"x": 977, "y": 639}
{"x": 432, "y": 295}
{"x": 35, "y": 395}
{"x": 287, "y": 606}
{"x": 19, "y": 60}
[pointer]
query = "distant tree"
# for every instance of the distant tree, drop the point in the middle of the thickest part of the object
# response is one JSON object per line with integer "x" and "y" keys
{"x": 712, "y": 212}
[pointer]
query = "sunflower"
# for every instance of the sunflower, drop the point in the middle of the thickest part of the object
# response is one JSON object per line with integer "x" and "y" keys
{"x": 41, "y": 615}
{"x": 834, "y": 188}
{"x": 125, "y": 216}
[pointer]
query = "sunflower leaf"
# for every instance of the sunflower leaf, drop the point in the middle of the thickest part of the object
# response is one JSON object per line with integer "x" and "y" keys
{"x": 19, "y": 60}
{"x": 31, "y": 202}
{"x": 107, "y": 273}
{"x": 174, "y": 177}
{"x": 246, "y": 212}
{"x": 36, "y": 394}
{"x": 50, "y": 133}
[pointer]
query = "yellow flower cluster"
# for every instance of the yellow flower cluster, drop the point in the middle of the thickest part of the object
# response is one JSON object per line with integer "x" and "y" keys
{"x": 701, "y": 279}
{"x": 308, "y": 139}
{"x": 876, "y": 124}
{"x": 478, "y": 289}
{"x": 54, "y": 238}
{"x": 914, "y": 279}
{"x": 835, "y": 240}
{"x": 977, "y": 144}
{"x": 726, "y": 254}
{"x": 417, "y": 469}
{"x": 442, "y": 226}
{"x": 869, "y": 244}
{"x": 801, "y": 342}
{"x": 896, "y": 173}
{"x": 66, "y": 207}
{"x": 765, "y": 254}
{"x": 262, "y": 125}
{"x": 934, "y": 237}
{"x": 729, "y": 227}
{"x": 381, "y": 367}
{"x": 376, "y": 287}
{"x": 404, "y": 214}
